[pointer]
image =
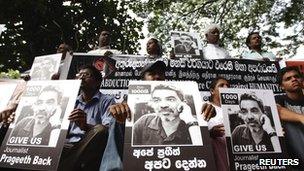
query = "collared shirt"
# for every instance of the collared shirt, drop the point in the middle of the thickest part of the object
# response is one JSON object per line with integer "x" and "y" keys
{"x": 241, "y": 135}
{"x": 148, "y": 130}
{"x": 254, "y": 55}
{"x": 213, "y": 51}
{"x": 24, "y": 128}
{"x": 97, "y": 113}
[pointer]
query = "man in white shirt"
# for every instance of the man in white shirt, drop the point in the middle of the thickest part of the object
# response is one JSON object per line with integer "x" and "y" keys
{"x": 104, "y": 43}
{"x": 254, "y": 43}
{"x": 212, "y": 50}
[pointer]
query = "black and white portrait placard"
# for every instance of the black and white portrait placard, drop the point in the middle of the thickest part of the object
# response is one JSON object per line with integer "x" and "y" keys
{"x": 35, "y": 139}
{"x": 185, "y": 44}
{"x": 44, "y": 67}
{"x": 252, "y": 128}
{"x": 167, "y": 130}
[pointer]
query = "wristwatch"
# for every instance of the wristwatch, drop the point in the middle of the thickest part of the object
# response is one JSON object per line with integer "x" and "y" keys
{"x": 194, "y": 123}
{"x": 272, "y": 134}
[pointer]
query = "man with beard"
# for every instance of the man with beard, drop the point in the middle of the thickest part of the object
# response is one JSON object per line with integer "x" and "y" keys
{"x": 38, "y": 125}
{"x": 257, "y": 131}
{"x": 44, "y": 69}
{"x": 172, "y": 122}
{"x": 186, "y": 45}
{"x": 121, "y": 111}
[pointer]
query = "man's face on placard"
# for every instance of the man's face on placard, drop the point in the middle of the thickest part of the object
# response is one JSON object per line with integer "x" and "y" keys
{"x": 186, "y": 41}
{"x": 45, "y": 106}
{"x": 251, "y": 113}
{"x": 166, "y": 103}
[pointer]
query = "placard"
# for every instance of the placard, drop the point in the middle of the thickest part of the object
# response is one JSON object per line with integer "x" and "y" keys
{"x": 167, "y": 130}
{"x": 253, "y": 130}
{"x": 44, "y": 67}
{"x": 36, "y": 138}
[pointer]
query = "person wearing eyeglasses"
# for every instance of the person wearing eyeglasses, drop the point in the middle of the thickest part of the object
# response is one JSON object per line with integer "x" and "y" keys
{"x": 89, "y": 123}
{"x": 91, "y": 105}
{"x": 257, "y": 133}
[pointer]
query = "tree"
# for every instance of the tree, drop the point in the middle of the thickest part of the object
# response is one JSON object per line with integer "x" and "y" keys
{"x": 35, "y": 28}
{"x": 236, "y": 17}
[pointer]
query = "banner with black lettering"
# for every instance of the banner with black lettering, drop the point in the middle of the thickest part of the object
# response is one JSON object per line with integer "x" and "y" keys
{"x": 253, "y": 130}
{"x": 35, "y": 139}
{"x": 167, "y": 131}
{"x": 119, "y": 70}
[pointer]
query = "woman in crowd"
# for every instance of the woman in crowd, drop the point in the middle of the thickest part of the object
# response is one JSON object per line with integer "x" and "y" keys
{"x": 216, "y": 127}
{"x": 154, "y": 48}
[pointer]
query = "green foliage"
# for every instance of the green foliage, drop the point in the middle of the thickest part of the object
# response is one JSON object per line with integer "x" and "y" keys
{"x": 11, "y": 74}
{"x": 36, "y": 28}
{"x": 234, "y": 16}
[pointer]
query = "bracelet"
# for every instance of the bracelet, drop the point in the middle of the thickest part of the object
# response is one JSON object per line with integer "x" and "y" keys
{"x": 194, "y": 123}
{"x": 272, "y": 134}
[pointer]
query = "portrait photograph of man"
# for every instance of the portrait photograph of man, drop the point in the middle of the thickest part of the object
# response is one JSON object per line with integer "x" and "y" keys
{"x": 252, "y": 123}
{"x": 185, "y": 43}
{"x": 44, "y": 67}
{"x": 167, "y": 116}
{"x": 40, "y": 120}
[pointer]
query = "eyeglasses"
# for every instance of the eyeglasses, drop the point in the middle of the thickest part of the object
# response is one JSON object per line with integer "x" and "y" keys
{"x": 83, "y": 75}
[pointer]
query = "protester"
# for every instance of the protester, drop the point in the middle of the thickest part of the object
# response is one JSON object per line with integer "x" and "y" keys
{"x": 291, "y": 111}
{"x": 212, "y": 50}
{"x": 215, "y": 125}
{"x": 90, "y": 113}
{"x": 254, "y": 43}
{"x": 154, "y": 48}
{"x": 104, "y": 45}
{"x": 64, "y": 48}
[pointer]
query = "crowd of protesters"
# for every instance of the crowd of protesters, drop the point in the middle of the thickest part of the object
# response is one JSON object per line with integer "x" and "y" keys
{"x": 98, "y": 113}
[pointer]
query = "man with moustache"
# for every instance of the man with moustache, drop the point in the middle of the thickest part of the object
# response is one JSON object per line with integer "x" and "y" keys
{"x": 38, "y": 125}
{"x": 121, "y": 111}
{"x": 186, "y": 45}
{"x": 170, "y": 122}
{"x": 89, "y": 124}
{"x": 256, "y": 52}
{"x": 257, "y": 129}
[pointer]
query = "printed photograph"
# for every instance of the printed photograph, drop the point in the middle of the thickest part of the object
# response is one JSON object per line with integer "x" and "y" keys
{"x": 45, "y": 66}
{"x": 185, "y": 43}
{"x": 253, "y": 124}
{"x": 39, "y": 117}
{"x": 164, "y": 113}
